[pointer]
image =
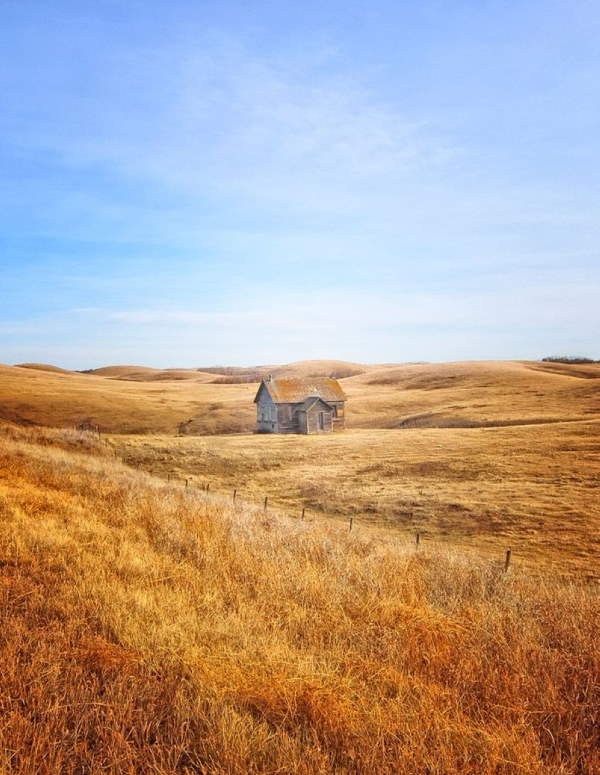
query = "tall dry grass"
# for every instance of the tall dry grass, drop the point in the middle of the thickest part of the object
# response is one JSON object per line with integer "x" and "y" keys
{"x": 534, "y": 488}
{"x": 146, "y": 628}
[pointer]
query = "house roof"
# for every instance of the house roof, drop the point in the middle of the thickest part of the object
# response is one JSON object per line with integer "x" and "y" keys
{"x": 294, "y": 391}
{"x": 313, "y": 400}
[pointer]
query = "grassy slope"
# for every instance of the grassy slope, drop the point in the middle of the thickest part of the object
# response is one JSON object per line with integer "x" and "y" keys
{"x": 150, "y": 401}
{"x": 121, "y": 405}
{"x": 531, "y": 487}
{"x": 43, "y": 367}
{"x": 146, "y": 628}
{"x": 472, "y": 393}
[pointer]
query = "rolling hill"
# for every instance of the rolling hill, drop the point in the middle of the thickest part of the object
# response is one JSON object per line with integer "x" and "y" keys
{"x": 44, "y": 367}
{"x": 148, "y": 623}
{"x": 134, "y": 399}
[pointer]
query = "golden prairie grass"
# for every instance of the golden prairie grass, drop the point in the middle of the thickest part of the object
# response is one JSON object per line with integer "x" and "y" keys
{"x": 122, "y": 405}
{"x": 533, "y": 488}
{"x": 150, "y": 628}
{"x": 142, "y": 400}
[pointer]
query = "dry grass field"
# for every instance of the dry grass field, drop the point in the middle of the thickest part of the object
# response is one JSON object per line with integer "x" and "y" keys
{"x": 482, "y": 456}
{"x": 122, "y": 402}
{"x": 134, "y": 399}
{"x": 473, "y": 394}
{"x": 534, "y": 488}
{"x": 151, "y": 628}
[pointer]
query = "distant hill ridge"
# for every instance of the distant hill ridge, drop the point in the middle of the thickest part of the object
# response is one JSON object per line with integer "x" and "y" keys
{"x": 43, "y": 367}
{"x": 134, "y": 399}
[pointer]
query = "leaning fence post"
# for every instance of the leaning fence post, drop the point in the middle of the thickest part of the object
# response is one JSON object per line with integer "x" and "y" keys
{"x": 207, "y": 487}
{"x": 507, "y": 560}
{"x": 266, "y": 501}
{"x": 350, "y": 526}
{"x": 303, "y": 510}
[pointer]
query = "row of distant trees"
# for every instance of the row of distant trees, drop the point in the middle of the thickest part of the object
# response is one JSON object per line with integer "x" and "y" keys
{"x": 568, "y": 359}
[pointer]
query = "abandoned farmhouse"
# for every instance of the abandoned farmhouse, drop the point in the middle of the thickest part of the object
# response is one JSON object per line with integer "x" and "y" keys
{"x": 311, "y": 405}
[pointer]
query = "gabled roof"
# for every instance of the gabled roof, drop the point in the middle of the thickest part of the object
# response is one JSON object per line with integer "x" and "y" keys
{"x": 310, "y": 402}
{"x": 294, "y": 391}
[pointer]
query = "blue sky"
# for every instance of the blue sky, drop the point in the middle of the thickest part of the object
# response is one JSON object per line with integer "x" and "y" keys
{"x": 192, "y": 183}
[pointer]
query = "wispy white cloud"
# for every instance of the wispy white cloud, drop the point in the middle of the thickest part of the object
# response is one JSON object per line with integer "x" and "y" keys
{"x": 278, "y": 169}
{"x": 230, "y": 139}
{"x": 232, "y": 123}
{"x": 357, "y": 326}
{"x": 344, "y": 315}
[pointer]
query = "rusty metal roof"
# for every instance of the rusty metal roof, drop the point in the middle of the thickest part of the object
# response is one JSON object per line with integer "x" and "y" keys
{"x": 294, "y": 391}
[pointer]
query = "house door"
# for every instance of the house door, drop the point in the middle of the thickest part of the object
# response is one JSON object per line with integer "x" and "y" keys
{"x": 321, "y": 421}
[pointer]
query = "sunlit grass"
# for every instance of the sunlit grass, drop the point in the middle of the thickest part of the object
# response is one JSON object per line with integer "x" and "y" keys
{"x": 150, "y": 628}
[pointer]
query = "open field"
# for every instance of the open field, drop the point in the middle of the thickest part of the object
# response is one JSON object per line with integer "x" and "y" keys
{"x": 472, "y": 394}
{"x": 535, "y": 488}
{"x": 145, "y": 627}
{"x": 482, "y": 455}
{"x": 123, "y": 405}
{"x": 134, "y": 399}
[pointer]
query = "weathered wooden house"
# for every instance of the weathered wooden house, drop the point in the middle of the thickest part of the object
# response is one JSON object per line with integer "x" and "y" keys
{"x": 310, "y": 405}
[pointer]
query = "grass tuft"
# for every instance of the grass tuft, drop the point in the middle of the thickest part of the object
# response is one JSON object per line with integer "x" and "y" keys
{"x": 150, "y": 628}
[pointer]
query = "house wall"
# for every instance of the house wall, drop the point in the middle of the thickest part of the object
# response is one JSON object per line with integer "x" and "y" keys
{"x": 293, "y": 418}
{"x": 301, "y": 421}
{"x": 312, "y": 419}
{"x": 287, "y": 418}
{"x": 266, "y": 414}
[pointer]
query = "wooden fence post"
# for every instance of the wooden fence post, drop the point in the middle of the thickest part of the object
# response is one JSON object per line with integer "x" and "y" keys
{"x": 207, "y": 487}
{"x": 266, "y": 501}
{"x": 350, "y": 526}
{"x": 186, "y": 481}
{"x": 507, "y": 560}
{"x": 303, "y": 510}
{"x": 234, "y": 494}
{"x": 417, "y": 540}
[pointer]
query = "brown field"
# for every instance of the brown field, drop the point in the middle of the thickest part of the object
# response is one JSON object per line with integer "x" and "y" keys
{"x": 483, "y": 456}
{"x": 134, "y": 399}
{"x": 533, "y": 488}
{"x": 149, "y": 628}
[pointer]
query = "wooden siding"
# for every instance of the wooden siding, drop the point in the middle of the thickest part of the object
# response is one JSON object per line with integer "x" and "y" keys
{"x": 313, "y": 415}
{"x": 318, "y": 418}
{"x": 266, "y": 414}
{"x": 287, "y": 418}
{"x": 318, "y": 421}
